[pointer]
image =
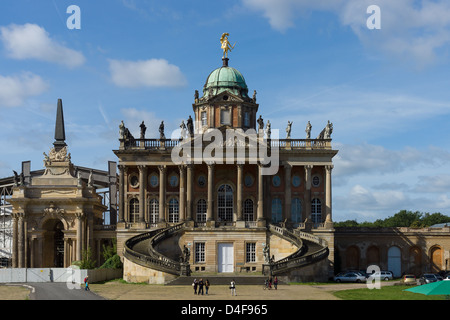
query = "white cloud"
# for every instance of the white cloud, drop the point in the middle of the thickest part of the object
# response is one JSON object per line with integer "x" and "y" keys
{"x": 14, "y": 90}
{"x": 30, "y": 41}
{"x": 409, "y": 30}
{"x": 146, "y": 73}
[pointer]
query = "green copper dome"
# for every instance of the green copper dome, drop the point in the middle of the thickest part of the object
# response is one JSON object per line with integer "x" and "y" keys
{"x": 223, "y": 79}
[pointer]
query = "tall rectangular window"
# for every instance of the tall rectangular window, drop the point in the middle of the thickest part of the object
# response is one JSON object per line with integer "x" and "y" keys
{"x": 199, "y": 252}
{"x": 225, "y": 116}
{"x": 246, "y": 119}
{"x": 250, "y": 255}
{"x": 204, "y": 118}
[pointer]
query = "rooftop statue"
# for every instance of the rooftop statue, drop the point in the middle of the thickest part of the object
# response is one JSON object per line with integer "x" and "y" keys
{"x": 226, "y": 46}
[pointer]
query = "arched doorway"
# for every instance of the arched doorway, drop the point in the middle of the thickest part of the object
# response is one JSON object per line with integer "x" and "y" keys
{"x": 435, "y": 259}
{"x": 373, "y": 256}
{"x": 59, "y": 245}
{"x": 395, "y": 261}
{"x": 352, "y": 258}
{"x": 53, "y": 244}
{"x": 415, "y": 261}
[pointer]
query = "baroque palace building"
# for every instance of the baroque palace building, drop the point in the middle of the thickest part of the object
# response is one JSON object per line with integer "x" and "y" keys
{"x": 230, "y": 195}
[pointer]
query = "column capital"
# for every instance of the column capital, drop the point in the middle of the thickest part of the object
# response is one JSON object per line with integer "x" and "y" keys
{"x": 329, "y": 167}
{"x": 79, "y": 215}
{"x": 162, "y": 168}
{"x": 142, "y": 167}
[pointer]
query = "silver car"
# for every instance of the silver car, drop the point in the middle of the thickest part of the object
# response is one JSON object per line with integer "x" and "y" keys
{"x": 350, "y": 277}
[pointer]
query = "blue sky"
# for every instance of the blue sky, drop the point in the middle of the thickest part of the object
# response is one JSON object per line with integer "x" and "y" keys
{"x": 385, "y": 90}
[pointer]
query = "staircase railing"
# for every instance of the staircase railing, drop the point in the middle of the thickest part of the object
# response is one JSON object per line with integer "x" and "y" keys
{"x": 154, "y": 259}
{"x": 301, "y": 257}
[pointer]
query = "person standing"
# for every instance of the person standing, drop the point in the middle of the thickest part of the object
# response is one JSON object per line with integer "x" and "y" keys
{"x": 233, "y": 288}
{"x": 86, "y": 283}
{"x": 194, "y": 285}
{"x": 275, "y": 283}
{"x": 200, "y": 287}
{"x": 207, "y": 285}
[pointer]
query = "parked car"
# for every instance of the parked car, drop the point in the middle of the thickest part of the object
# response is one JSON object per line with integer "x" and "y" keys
{"x": 428, "y": 278}
{"x": 350, "y": 277}
{"x": 409, "y": 279}
{"x": 383, "y": 275}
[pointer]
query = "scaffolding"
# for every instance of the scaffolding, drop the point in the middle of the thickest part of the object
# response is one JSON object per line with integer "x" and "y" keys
{"x": 6, "y": 234}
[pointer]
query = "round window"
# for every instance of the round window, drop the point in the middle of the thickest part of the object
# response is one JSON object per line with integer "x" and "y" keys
{"x": 296, "y": 181}
{"x": 173, "y": 180}
{"x": 248, "y": 180}
{"x": 316, "y": 181}
{"x": 154, "y": 180}
{"x": 276, "y": 181}
{"x": 202, "y": 181}
{"x": 134, "y": 180}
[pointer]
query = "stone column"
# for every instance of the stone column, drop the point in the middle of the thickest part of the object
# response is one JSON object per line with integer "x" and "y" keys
{"x": 260, "y": 210}
{"x": 189, "y": 178}
{"x": 121, "y": 193}
{"x": 162, "y": 193}
{"x": 182, "y": 194}
{"x": 287, "y": 192}
{"x": 308, "y": 221}
{"x": 328, "y": 193}
{"x": 240, "y": 182}
{"x": 79, "y": 216}
{"x": 21, "y": 241}
{"x": 15, "y": 239}
{"x": 210, "y": 209}
{"x": 142, "y": 188}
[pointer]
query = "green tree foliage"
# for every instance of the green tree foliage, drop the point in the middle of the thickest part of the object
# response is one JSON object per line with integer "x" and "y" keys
{"x": 403, "y": 218}
{"x": 87, "y": 261}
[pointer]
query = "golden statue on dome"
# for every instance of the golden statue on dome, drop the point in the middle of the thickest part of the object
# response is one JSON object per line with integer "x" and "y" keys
{"x": 226, "y": 46}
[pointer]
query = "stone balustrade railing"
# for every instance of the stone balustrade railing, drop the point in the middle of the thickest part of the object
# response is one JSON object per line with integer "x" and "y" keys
{"x": 154, "y": 259}
{"x": 298, "y": 258}
{"x": 162, "y": 144}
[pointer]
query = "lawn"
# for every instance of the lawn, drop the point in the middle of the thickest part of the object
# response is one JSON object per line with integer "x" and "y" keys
{"x": 385, "y": 293}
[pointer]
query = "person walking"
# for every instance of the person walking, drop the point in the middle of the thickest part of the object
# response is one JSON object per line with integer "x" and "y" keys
{"x": 200, "y": 287}
{"x": 207, "y": 285}
{"x": 86, "y": 283}
{"x": 275, "y": 283}
{"x": 233, "y": 288}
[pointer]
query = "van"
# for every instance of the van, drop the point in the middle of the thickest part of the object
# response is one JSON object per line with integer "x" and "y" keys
{"x": 383, "y": 275}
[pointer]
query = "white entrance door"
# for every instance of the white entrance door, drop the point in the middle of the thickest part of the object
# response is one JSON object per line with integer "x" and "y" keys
{"x": 225, "y": 257}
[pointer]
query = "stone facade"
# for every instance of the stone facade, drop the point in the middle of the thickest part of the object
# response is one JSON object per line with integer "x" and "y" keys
{"x": 400, "y": 250}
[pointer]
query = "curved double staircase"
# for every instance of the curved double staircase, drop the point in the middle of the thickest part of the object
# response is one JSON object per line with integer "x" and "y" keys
{"x": 142, "y": 250}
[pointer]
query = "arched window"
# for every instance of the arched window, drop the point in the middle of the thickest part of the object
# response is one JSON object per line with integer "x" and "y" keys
{"x": 174, "y": 211}
{"x": 154, "y": 211}
{"x": 248, "y": 210}
{"x": 276, "y": 210}
{"x": 201, "y": 210}
{"x": 316, "y": 211}
{"x": 296, "y": 210}
{"x": 134, "y": 210}
{"x": 225, "y": 203}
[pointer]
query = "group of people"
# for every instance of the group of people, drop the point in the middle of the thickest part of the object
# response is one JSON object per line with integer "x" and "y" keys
{"x": 199, "y": 284}
{"x": 269, "y": 282}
